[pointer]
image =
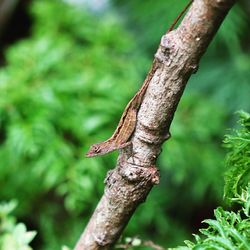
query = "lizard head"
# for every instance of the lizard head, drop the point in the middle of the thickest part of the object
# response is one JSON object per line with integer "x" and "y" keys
{"x": 94, "y": 150}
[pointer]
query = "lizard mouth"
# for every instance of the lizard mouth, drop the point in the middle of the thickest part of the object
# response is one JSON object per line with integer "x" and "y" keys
{"x": 94, "y": 150}
{"x": 90, "y": 153}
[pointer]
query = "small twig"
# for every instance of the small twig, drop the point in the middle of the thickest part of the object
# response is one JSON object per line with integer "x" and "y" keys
{"x": 179, "y": 16}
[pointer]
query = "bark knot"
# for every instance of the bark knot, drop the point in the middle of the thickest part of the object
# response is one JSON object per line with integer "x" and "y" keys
{"x": 167, "y": 50}
{"x": 140, "y": 174}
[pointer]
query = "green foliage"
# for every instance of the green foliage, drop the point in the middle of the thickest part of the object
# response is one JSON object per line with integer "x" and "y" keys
{"x": 228, "y": 231}
{"x": 13, "y": 236}
{"x": 58, "y": 95}
{"x": 238, "y": 160}
{"x": 65, "y": 87}
{"x": 186, "y": 142}
{"x": 231, "y": 230}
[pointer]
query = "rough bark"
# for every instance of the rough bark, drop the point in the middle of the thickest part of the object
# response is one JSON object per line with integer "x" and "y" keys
{"x": 129, "y": 183}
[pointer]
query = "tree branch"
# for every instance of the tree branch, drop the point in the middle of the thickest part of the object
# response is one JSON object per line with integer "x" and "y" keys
{"x": 130, "y": 182}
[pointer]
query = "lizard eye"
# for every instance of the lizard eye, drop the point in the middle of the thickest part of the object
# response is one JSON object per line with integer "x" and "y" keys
{"x": 96, "y": 149}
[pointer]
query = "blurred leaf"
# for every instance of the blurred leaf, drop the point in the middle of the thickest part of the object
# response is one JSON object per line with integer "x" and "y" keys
{"x": 13, "y": 236}
{"x": 238, "y": 159}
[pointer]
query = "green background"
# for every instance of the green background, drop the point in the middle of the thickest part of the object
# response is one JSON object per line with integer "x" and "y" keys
{"x": 64, "y": 86}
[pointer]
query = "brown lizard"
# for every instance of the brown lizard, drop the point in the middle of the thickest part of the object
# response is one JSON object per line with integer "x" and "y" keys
{"x": 127, "y": 123}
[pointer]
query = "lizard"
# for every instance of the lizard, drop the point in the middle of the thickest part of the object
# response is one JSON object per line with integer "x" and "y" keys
{"x": 127, "y": 123}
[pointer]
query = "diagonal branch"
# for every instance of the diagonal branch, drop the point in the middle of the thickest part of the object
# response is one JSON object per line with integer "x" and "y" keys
{"x": 129, "y": 183}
